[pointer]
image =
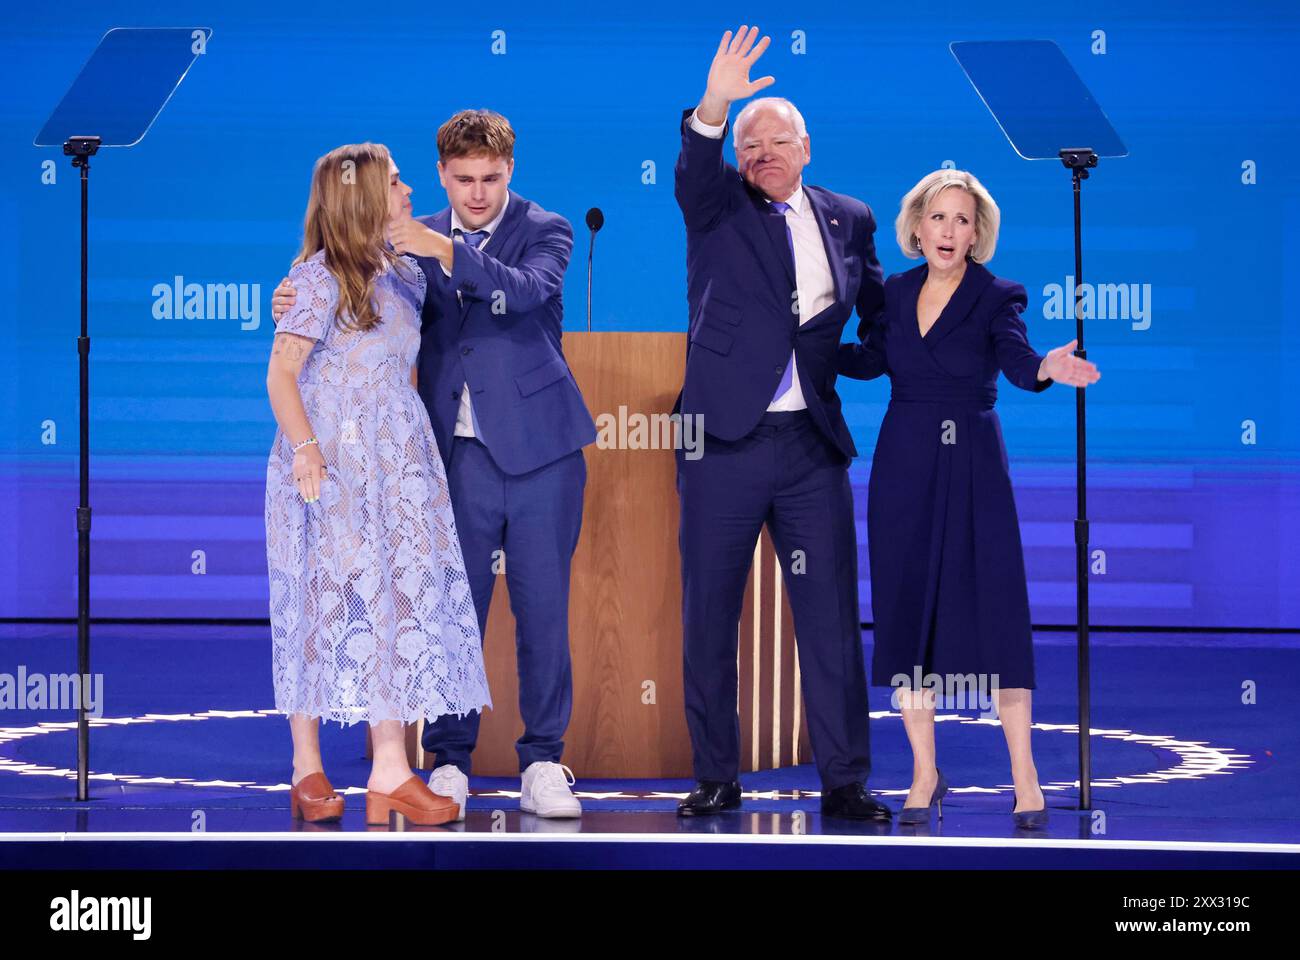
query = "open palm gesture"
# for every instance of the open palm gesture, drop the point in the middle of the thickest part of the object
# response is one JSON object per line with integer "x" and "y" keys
{"x": 729, "y": 74}
{"x": 1063, "y": 366}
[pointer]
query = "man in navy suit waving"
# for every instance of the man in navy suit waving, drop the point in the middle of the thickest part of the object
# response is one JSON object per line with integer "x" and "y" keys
{"x": 774, "y": 269}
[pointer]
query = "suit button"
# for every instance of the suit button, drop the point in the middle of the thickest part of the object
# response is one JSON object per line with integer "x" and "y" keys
{"x": 778, "y": 369}
{"x": 455, "y": 396}
{"x": 466, "y": 351}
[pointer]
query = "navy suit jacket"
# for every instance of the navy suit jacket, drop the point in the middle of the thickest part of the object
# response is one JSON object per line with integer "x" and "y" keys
{"x": 502, "y": 336}
{"x": 978, "y": 333}
{"x": 740, "y": 287}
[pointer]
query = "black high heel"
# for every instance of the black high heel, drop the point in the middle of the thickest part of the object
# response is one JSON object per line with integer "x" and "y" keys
{"x": 922, "y": 814}
{"x": 1030, "y": 819}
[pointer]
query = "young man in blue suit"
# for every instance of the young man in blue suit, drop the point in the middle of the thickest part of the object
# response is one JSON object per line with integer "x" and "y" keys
{"x": 511, "y": 424}
{"x": 774, "y": 269}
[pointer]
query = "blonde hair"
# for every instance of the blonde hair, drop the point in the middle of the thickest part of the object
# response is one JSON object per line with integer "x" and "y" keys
{"x": 346, "y": 214}
{"x": 987, "y": 216}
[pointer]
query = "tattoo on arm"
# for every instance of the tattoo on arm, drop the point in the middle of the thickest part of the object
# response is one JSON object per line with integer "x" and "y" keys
{"x": 287, "y": 347}
{"x": 291, "y": 349}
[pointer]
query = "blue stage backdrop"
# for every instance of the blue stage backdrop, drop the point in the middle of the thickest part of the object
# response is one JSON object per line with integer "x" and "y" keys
{"x": 1194, "y": 436}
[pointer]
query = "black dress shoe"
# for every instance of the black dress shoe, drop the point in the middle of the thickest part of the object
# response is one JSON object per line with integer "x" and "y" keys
{"x": 854, "y": 802}
{"x": 710, "y": 796}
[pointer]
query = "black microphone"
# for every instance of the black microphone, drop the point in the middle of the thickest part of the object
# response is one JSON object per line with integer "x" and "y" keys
{"x": 595, "y": 220}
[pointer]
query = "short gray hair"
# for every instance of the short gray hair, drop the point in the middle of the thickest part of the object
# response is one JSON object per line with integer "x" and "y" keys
{"x": 987, "y": 216}
{"x": 768, "y": 103}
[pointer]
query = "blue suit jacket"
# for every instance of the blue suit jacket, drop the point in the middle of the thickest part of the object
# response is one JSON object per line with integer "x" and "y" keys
{"x": 740, "y": 282}
{"x": 502, "y": 337}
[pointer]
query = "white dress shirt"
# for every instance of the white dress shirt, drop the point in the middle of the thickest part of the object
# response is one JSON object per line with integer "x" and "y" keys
{"x": 812, "y": 271}
{"x": 465, "y": 416}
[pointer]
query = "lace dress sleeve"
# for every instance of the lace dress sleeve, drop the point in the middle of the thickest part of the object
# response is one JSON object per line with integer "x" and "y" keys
{"x": 413, "y": 277}
{"x": 318, "y": 293}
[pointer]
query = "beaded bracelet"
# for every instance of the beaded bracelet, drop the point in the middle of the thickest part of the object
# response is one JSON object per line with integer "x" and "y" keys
{"x": 304, "y": 443}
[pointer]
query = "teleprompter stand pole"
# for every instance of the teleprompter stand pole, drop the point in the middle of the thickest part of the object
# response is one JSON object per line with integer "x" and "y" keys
{"x": 1078, "y": 160}
{"x": 81, "y": 149}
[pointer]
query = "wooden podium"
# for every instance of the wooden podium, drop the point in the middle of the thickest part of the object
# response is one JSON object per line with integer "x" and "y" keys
{"x": 625, "y": 608}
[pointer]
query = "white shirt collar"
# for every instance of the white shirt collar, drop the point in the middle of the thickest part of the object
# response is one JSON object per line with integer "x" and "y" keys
{"x": 491, "y": 228}
{"x": 796, "y": 200}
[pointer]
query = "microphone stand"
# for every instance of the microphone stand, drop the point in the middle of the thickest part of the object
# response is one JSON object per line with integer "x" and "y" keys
{"x": 591, "y": 254}
{"x": 595, "y": 220}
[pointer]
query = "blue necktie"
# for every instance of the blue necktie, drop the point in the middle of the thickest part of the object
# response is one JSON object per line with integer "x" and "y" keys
{"x": 787, "y": 379}
{"x": 474, "y": 238}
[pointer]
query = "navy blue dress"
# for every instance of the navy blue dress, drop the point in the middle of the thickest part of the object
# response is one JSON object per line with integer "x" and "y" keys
{"x": 948, "y": 591}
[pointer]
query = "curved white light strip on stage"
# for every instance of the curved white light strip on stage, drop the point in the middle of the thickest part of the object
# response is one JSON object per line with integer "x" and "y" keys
{"x": 1197, "y": 759}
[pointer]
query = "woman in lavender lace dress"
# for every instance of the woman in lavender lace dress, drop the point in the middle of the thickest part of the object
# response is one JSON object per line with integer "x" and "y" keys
{"x": 371, "y": 613}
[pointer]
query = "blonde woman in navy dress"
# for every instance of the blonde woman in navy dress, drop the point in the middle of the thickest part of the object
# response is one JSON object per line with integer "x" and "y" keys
{"x": 371, "y": 613}
{"x": 948, "y": 590}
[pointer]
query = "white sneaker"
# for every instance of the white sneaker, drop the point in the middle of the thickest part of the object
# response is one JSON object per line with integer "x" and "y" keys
{"x": 546, "y": 790}
{"x": 448, "y": 781}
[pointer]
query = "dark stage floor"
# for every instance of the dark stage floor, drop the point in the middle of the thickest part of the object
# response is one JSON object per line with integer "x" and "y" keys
{"x": 190, "y": 768}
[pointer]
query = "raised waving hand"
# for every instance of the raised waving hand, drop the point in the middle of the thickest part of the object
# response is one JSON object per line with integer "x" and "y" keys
{"x": 729, "y": 74}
